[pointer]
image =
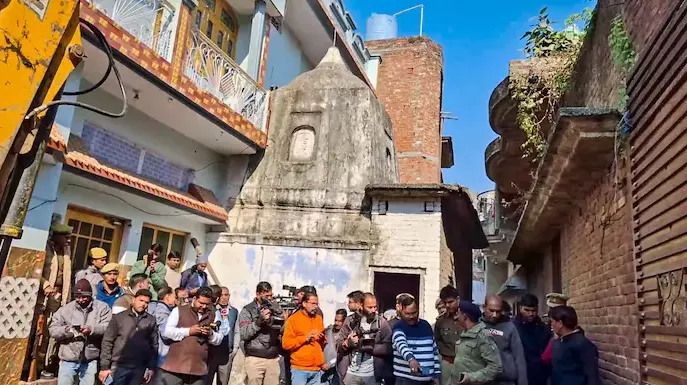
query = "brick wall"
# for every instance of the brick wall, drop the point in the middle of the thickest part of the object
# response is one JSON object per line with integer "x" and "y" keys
{"x": 115, "y": 151}
{"x": 410, "y": 238}
{"x": 110, "y": 149}
{"x": 596, "y": 81}
{"x": 644, "y": 17}
{"x": 598, "y": 275}
{"x": 409, "y": 84}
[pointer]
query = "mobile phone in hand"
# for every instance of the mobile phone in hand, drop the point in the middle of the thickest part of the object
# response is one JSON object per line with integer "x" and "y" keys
{"x": 108, "y": 380}
{"x": 425, "y": 371}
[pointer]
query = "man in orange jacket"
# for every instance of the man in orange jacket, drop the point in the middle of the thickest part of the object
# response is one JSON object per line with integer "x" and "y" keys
{"x": 304, "y": 339}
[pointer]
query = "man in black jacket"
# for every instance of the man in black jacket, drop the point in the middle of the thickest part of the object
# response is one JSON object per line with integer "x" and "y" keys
{"x": 260, "y": 336}
{"x": 534, "y": 336}
{"x": 575, "y": 359}
{"x": 130, "y": 343}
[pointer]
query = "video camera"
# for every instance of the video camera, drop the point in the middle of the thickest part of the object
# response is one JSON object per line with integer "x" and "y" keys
{"x": 288, "y": 303}
{"x": 276, "y": 313}
{"x": 281, "y": 306}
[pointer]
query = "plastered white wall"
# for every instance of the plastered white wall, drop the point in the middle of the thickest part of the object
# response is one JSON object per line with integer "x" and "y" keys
{"x": 285, "y": 58}
{"x": 411, "y": 238}
{"x": 334, "y": 273}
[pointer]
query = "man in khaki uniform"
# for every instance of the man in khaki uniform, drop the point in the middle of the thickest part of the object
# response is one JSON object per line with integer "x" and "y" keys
{"x": 477, "y": 360}
{"x": 55, "y": 286}
{"x": 554, "y": 300}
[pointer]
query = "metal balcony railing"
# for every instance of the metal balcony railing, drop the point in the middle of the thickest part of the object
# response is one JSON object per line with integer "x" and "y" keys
{"x": 147, "y": 20}
{"x": 214, "y": 71}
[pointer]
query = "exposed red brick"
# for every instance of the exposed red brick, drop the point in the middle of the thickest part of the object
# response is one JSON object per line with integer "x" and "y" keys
{"x": 598, "y": 275}
{"x": 409, "y": 83}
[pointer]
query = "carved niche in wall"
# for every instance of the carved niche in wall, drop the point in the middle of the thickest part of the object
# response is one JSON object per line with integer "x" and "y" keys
{"x": 302, "y": 144}
{"x": 672, "y": 297}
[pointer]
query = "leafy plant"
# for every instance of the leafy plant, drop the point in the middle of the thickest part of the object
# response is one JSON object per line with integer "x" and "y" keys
{"x": 538, "y": 93}
{"x": 623, "y": 54}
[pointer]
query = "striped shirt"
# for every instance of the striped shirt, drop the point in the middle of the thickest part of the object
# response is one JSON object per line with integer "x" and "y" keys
{"x": 415, "y": 342}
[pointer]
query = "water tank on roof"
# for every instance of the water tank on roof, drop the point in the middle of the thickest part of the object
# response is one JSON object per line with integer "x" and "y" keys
{"x": 381, "y": 27}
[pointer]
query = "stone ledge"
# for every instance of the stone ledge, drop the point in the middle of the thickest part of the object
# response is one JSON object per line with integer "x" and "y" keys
{"x": 580, "y": 149}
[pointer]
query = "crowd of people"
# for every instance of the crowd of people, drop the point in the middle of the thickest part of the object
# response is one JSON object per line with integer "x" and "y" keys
{"x": 153, "y": 331}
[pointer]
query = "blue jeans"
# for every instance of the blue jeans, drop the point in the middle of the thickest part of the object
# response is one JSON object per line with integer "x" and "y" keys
{"x": 86, "y": 371}
{"x": 305, "y": 377}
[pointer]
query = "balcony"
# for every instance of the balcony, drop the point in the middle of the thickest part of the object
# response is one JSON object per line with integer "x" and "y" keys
{"x": 213, "y": 71}
{"x": 176, "y": 75}
{"x": 151, "y": 22}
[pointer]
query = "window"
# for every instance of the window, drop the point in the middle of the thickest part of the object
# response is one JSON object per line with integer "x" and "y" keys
{"x": 230, "y": 48}
{"x": 220, "y": 38}
{"x": 171, "y": 240}
{"x": 92, "y": 230}
{"x": 210, "y": 4}
{"x": 208, "y": 29}
{"x": 199, "y": 19}
{"x": 227, "y": 20}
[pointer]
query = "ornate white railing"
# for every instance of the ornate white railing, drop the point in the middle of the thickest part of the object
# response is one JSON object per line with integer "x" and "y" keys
{"x": 215, "y": 72}
{"x": 147, "y": 20}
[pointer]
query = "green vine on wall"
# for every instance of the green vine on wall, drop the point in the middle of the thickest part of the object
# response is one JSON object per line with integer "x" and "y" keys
{"x": 624, "y": 56}
{"x": 553, "y": 54}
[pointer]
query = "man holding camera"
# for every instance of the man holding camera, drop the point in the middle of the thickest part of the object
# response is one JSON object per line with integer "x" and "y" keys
{"x": 191, "y": 329}
{"x": 150, "y": 265}
{"x": 78, "y": 328}
{"x": 259, "y": 327}
{"x": 364, "y": 344}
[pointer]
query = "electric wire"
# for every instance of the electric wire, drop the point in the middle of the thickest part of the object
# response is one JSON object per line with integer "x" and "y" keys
{"x": 127, "y": 202}
{"x": 111, "y": 67}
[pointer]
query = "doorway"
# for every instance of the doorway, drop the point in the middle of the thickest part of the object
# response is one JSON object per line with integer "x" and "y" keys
{"x": 388, "y": 285}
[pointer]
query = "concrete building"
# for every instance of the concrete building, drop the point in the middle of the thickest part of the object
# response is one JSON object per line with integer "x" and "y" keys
{"x": 601, "y": 216}
{"x": 302, "y": 216}
{"x": 197, "y": 77}
{"x": 281, "y": 170}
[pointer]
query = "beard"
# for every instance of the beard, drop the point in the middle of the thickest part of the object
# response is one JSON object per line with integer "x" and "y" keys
{"x": 368, "y": 316}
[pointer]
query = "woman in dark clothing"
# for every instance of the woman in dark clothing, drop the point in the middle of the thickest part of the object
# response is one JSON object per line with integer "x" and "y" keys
{"x": 534, "y": 335}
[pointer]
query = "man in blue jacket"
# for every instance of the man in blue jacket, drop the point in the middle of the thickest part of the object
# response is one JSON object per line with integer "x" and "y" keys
{"x": 575, "y": 359}
{"x": 195, "y": 277}
{"x": 221, "y": 357}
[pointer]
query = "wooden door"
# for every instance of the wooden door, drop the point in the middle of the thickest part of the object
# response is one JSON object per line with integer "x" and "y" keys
{"x": 92, "y": 230}
{"x": 658, "y": 110}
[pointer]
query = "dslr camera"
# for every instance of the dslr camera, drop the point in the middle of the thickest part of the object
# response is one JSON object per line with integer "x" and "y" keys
{"x": 366, "y": 337}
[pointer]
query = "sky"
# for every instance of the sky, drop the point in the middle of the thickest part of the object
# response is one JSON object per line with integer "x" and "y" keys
{"x": 479, "y": 38}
